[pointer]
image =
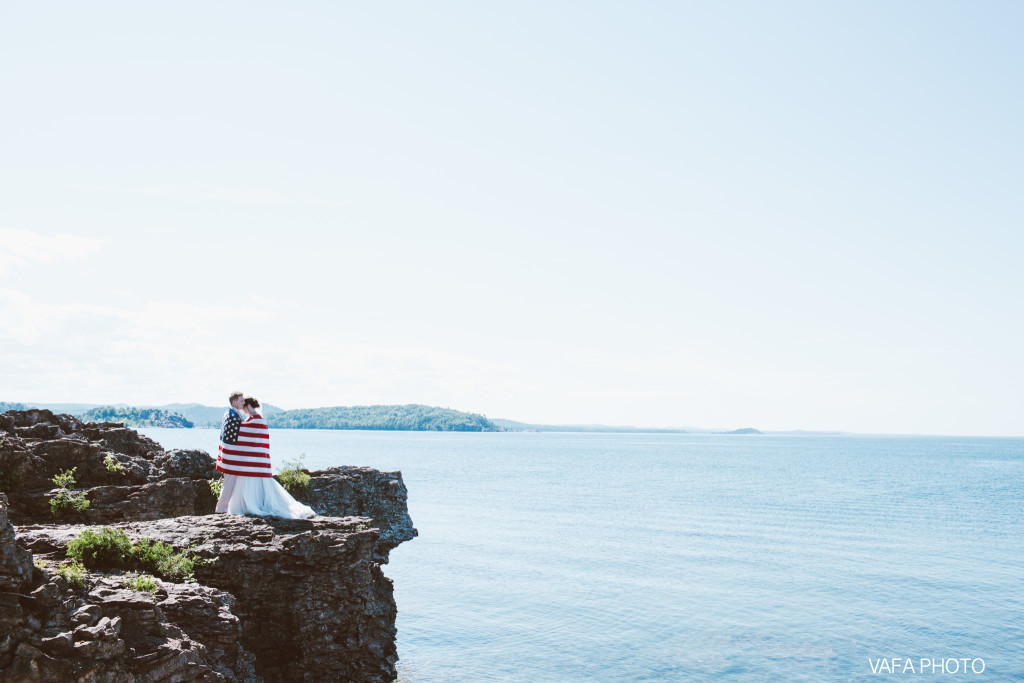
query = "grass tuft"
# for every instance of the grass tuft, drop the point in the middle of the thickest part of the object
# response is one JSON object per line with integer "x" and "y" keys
{"x": 73, "y": 572}
{"x": 112, "y": 465}
{"x": 143, "y": 583}
{"x": 292, "y": 476}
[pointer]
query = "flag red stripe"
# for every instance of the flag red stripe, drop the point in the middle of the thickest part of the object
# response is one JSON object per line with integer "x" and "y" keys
{"x": 261, "y": 453}
{"x": 239, "y": 473}
{"x": 243, "y": 463}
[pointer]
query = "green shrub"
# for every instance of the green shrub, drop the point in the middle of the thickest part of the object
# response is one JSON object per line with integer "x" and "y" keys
{"x": 66, "y": 500}
{"x": 112, "y": 465}
{"x": 66, "y": 479}
{"x": 164, "y": 560}
{"x": 73, "y": 572}
{"x": 108, "y": 548}
{"x": 144, "y": 583}
{"x": 216, "y": 486}
{"x": 112, "y": 548}
{"x": 293, "y": 477}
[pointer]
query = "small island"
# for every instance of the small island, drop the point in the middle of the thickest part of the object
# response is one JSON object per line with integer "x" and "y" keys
{"x": 137, "y": 417}
{"x": 410, "y": 417}
{"x": 744, "y": 430}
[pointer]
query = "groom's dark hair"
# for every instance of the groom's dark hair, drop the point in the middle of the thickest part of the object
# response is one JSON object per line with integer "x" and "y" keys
{"x": 233, "y": 396}
{"x": 252, "y": 403}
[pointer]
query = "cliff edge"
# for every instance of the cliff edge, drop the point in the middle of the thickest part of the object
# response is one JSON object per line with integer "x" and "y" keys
{"x": 270, "y": 599}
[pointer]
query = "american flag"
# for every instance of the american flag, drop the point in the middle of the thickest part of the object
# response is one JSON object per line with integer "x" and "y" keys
{"x": 244, "y": 447}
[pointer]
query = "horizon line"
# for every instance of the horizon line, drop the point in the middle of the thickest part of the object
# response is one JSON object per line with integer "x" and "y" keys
{"x": 682, "y": 430}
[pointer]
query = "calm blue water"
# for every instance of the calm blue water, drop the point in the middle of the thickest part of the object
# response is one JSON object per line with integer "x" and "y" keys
{"x": 663, "y": 557}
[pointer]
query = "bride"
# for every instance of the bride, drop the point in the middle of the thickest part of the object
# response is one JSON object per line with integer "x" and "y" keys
{"x": 254, "y": 490}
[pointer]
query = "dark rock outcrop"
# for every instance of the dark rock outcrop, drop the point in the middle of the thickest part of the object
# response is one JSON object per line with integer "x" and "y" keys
{"x": 311, "y": 599}
{"x": 15, "y": 562}
{"x": 363, "y": 492}
{"x": 283, "y": 600}
{"x": 106, "y": 632}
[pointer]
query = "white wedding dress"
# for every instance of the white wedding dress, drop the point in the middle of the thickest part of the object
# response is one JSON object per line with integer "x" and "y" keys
{"x": 265, "y": 496}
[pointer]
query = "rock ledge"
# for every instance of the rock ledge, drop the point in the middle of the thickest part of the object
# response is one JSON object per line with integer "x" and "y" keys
{"x": 283, "y": 600}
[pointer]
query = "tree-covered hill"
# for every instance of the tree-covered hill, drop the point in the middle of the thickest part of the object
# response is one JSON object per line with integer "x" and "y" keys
{"x": 137, "y": 417}
{"x": 411, "y": 417}
{"x": 208, "y": 416}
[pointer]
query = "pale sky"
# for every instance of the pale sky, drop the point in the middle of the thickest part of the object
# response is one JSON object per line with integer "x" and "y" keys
{"x": 788, "y": 215}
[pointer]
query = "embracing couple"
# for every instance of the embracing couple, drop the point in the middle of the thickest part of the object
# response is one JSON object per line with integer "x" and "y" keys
{"x": 244, "y": 457}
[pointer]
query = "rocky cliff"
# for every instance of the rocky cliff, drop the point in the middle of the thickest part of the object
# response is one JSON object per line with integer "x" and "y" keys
{"x": 271, "y": 599}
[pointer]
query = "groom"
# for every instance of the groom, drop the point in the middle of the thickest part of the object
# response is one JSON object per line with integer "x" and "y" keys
{"x": 229, "y": 437}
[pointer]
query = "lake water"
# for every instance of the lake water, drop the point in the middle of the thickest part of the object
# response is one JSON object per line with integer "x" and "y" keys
{"x": 664, "y": 557}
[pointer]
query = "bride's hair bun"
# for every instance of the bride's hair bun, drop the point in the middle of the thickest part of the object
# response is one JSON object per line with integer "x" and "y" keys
{"x": 251, "y": 402}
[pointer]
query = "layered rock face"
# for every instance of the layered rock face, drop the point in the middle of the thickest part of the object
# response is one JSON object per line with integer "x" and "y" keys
{"x": 281, "y": 600}
{"x": 125, "y": 475}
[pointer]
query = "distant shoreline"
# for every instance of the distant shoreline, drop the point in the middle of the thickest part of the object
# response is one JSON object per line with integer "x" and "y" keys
{"x": 209, "y": 417}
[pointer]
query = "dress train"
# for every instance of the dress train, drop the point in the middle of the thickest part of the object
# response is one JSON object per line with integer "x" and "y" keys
{"x": 265, "y": 496}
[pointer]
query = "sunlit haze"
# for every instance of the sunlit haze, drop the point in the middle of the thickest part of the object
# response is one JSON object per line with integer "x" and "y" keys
{"x": 793, "y": 215}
